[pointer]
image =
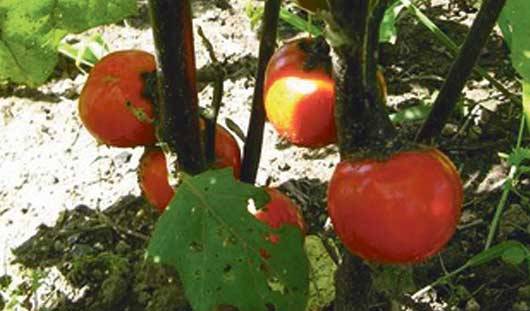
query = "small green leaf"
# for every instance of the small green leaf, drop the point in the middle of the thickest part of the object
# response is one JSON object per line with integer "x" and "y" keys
{"x": 515, "y": 255}
{"x": 493, "y": 253}
{"x": 410, "y": 114}
{"x": 86, "y": 52}
{"x": 322, "y": 274}
{"x": 31, "y": 31}
{"x": 299, "y": 23}
{"x": 388, "y": 30}
{"x": 518, "y": 155}
{"x": 222, "y": 253}
{"x": 515, "y": 25}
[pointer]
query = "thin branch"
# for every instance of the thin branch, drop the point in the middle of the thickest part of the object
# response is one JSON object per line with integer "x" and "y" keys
{"x": 177, "y": 90}
{"x": 218, "y": 90}
{"x": 461, "y": 69}
{"x": 253, "y": 145}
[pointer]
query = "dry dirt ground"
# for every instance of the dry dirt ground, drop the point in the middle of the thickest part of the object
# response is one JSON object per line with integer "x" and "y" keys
{"x": 50, "y": 163}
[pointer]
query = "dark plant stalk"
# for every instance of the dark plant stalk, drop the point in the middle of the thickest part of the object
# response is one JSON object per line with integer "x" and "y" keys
{"x": 461, "y": 69}
{"x": 360, "y": 114}
{"x": 363, "y": 125}
{"x": 177, "y": 91}
{"x": 353, "y": 283}
{"x": 254, "y": 140}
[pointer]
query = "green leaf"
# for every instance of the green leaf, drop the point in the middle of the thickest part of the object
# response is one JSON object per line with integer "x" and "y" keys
{"x": 388, "y": 30}
{"x": 518, "y": 155}
{"x": 410, "y": 114}
{"x": 216, "y": 245}
{"x": 299, "y": 23}
{"x": 86, "y": 52}
{"x": 322, "y": 274}
{"x": 31, "y": 30}
{"x": 515, "y": 25}
{"x": 493, "y": 253}
{"x": 515, "y": 255}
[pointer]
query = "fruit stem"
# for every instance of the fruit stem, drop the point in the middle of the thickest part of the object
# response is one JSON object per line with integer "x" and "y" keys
{"x": 253, "y": 143}
{"x": 213, "y": 113}
{"x": 360, "y": 113}
{"x": 461, "y": 69}
{"x": 176, "y": 87}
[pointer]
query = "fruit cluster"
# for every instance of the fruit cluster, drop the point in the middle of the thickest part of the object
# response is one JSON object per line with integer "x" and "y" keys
{"x": 116, "y": 108}
{"x": 401, "y": 209}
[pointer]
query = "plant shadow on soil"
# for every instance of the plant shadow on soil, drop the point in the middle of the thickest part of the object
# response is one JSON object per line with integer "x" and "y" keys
{"x": 94, "y": 250}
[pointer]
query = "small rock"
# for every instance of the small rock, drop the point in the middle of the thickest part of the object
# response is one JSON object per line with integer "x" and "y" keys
{"x": 472, "y": 305}
{"x": 449, "y": 129}
{"x": 284, "y": 167}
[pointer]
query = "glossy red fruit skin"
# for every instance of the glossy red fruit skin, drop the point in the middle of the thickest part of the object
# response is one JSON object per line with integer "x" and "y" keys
{"x": 113, "y": 82}
{"x": 153, "y": 179}
{"x": 280, "y": 210}
{"x": 227, "y": 153}
{"x": 299, "y": 102}
{"x": 401, "y": 210}
{"x": 153, "y": 174}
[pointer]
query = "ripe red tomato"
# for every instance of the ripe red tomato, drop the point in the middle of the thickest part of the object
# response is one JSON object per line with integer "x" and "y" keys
{"x": 114, "y": 83}
{"x": 280, "y": 210}
{"x": 153, "y": 174}
{"x": 227, "y": 153}
{"x": 401, "y": 210}
{"x": 299, "y": 97}
{"x": 313, "y": 5}
{"x": 299, "y": 94}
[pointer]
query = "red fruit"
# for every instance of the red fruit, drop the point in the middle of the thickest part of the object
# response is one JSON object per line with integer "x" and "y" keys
{"x": 227, "y": 151}
{"x": 299, "y": 95}
{"x": 153, "y": 179}
{"x": 279, "y": 211}
{"x": 153, "y": 174}
{"x": 401, "y": 210}
{"x": 114, "y": 83}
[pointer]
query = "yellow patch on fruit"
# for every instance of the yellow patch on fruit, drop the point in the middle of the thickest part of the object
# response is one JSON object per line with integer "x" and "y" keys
{"x": 301, "y": 110}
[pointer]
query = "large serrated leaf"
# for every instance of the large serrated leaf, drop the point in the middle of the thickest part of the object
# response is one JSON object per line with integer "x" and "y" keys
{"x": 217, "y": 247}
{"x": 31, "y": 30}
{"x": 515, "y": 25}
